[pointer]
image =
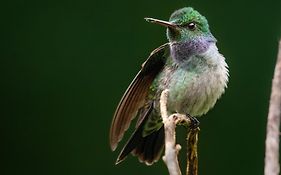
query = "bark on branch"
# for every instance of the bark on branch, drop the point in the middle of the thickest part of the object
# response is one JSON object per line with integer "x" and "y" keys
{"x": 273, "y": 122}
{"x": 171, "y": 148}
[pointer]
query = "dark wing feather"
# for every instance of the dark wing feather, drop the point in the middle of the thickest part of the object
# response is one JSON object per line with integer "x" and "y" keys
{"x": 135, "y": 95}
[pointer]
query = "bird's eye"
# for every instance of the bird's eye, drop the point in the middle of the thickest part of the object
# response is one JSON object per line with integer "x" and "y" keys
{"x": 191, "y": 26}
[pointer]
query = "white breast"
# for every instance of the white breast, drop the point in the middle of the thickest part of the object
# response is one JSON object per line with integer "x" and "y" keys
{"x": 196, "y": 92}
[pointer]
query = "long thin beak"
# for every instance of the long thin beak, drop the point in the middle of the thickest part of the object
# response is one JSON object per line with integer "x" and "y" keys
{"x": 161, "y": 22}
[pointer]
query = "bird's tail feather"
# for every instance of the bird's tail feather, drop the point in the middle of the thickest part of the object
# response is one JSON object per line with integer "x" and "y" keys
{"x": 148, "y": 149}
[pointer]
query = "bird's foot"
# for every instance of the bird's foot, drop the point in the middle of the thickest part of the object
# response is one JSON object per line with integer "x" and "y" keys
{"x": 194, "y": 123}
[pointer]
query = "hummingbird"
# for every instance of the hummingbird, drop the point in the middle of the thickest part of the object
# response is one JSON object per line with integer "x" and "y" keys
{"x": 189, "y": 65}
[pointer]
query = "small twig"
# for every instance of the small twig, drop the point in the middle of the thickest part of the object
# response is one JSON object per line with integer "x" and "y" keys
{"x": 171, "y": 150}
{"x": 192, "y": 154}
{"x": 273, "y": 122}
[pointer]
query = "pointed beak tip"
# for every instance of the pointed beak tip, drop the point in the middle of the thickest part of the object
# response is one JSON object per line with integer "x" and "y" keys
{"x": 148, "y": 19}
{"x": 161, "y": 22}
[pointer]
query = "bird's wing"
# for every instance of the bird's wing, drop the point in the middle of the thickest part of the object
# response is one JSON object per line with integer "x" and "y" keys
{"x": 135, "y": 95}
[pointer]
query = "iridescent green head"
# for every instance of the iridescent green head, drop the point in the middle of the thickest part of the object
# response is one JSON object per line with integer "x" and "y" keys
{"x": 185, "y": 24}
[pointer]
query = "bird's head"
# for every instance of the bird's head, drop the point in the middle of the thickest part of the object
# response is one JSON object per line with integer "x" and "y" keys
{"x": 184, "y": 25}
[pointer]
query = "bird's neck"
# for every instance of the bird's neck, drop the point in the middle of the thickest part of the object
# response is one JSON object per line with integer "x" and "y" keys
{"x": 184, "y": 50}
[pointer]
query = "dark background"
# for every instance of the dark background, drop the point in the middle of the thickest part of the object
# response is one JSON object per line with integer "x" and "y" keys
{"x": 65, "y": 65}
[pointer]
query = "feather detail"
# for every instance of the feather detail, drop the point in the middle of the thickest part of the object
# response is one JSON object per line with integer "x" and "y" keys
{"x": 135, "y": 96}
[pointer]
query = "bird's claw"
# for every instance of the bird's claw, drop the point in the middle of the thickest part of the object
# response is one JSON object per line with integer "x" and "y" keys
{"x": 194, "y": 123}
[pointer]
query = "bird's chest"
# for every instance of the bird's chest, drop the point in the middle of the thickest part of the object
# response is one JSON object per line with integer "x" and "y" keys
{"x": 194, "y": 90}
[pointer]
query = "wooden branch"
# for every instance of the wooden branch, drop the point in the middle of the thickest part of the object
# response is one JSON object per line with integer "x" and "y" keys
{"x": 192, "y": 154}
{"x": 273, "y": 122}
{"x": 171, "y": 150}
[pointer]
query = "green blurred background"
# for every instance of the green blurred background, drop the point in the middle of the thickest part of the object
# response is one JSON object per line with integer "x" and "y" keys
{"x": 66, "y": 64}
